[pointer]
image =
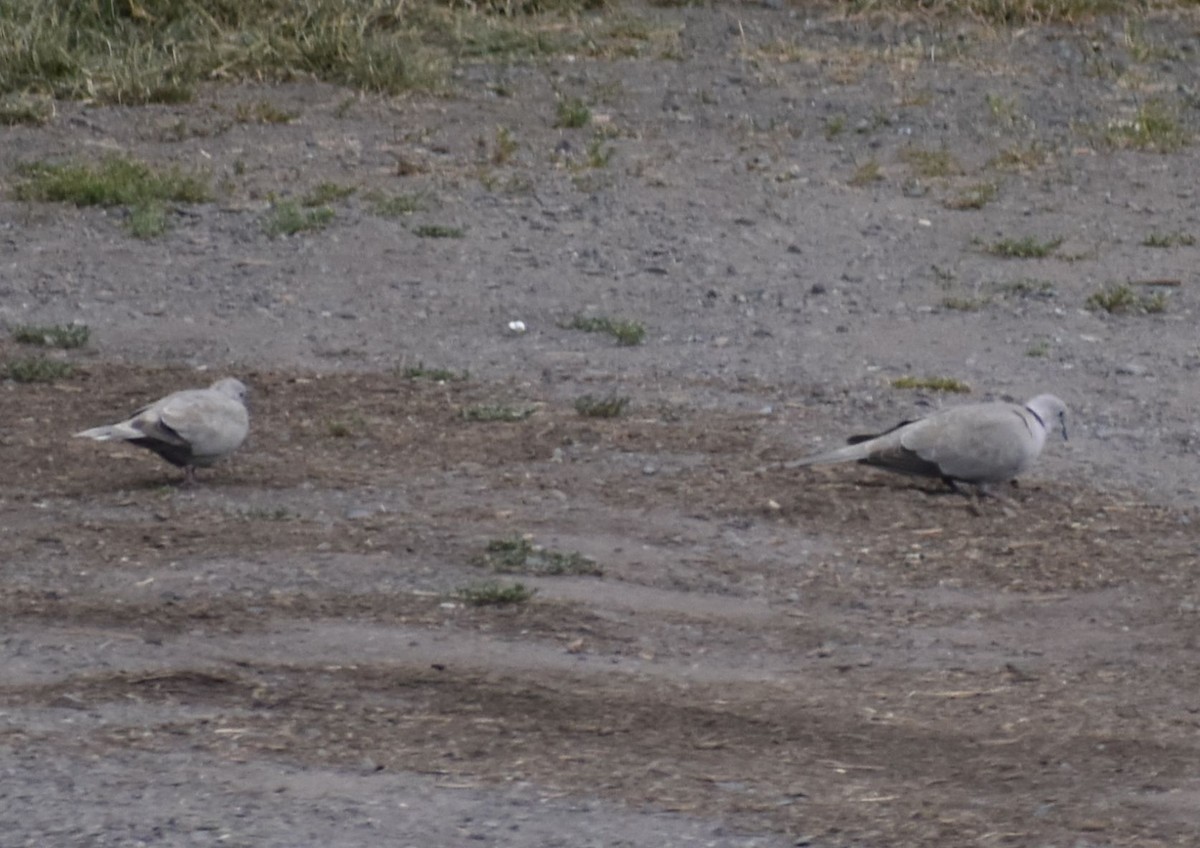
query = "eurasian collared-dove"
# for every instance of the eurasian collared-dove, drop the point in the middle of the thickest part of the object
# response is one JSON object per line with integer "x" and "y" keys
{"x": 980, "y": 443}
{"x": 189, "y": 428}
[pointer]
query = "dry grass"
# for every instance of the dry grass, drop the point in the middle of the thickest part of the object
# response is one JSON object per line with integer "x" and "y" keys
{"x": 159, "y": 51}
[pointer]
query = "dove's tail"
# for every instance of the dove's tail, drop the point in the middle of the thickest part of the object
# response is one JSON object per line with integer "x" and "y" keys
{"x": 850, "y": 453}
{"x": 111, "y": 433}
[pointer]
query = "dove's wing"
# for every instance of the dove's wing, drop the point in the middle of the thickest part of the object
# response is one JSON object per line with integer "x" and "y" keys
{"x": 210, "y": 423}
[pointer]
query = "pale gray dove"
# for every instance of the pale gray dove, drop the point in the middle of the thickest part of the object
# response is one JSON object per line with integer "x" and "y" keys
{"x": 189, "y": 428}
{"x": 979, "y": 443}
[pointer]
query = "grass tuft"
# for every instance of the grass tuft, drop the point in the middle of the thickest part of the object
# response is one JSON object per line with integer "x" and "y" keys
{"x": 1018, "y": 158}
{"x": 493, "y": 593}
{"x": 65, "y": 336}
{"x": 262, "y": 112}
{"x": 519, "y": 555}
{"x": 572, "y": 113}
{"x": 934, "y": 384}
{"x": 964, "y": 304}
{"x": 931, "y": 163}
{"x": 1023, "y": 248}
{"x": 1169, "y": 240}
{"x": 344, "y": 428}
{"x": 288, "y": 219}
{"x": 148, "y": 220}
{"x": 627, "y": 333}
{"x": 598, "y": 154}
{"x": 1124, "y": 299}
{"x": 438, "y": 231}
{"x": 395, "y": 205}
{"x": 612, "y": 406}
{"x": 114, "y": 181}
{"x": 38, "y": 369}
{"x": 972, "y": 197}
{"x": 1156, "y": 127}
{"x": 502, "y": 150}
{"x": 325, "y": 193}
{"x": 1027, "y": 287}
{"x": 25, "y": 109}
{"x": 866, "y": 173}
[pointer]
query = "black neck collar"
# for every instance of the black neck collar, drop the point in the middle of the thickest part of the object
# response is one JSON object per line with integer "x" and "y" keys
{"x": 1036, "y": 416}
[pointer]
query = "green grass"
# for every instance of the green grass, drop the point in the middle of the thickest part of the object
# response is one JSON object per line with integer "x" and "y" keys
{"x": 159, "y": 51}
{"x": 148, "y": 220}
{"x": 598, "y": 155}
{"x": 612, "y": 406}
{"x": 1155, "y": 303}
{"x": 1038, "y": 350}
{"x": 519, "y": 555}
{"x": 496, "y": 412}
{"x": 438, "y": 231}
{"x": 933, "y": 384}
{"x": 1115, "y": 299}
{"x": 572, "y": 113}
{"x": 1156, "y": 127}
{"x": 1123, "y": 298}
{"x": 1027, "y": 287}
{"x": 627, "y": 333}
{"x": 1169, "y": 240}
{"x": 113, "y": 181}
{"x": 65, "y": 336}
{"x": 325, "y": 193}
{"x": 395, "y": 205}
{"x": 287, "y": 219}
{"x": 437, "y": 375}
{"x": 1023, "y": 248}
{"x": 493, "y": 593}
{"x": 834, "y": 126}
{"x": 38, "y": 369}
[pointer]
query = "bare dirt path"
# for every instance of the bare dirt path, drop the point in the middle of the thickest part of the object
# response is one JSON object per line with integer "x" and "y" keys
{"x": 280, "y": 656}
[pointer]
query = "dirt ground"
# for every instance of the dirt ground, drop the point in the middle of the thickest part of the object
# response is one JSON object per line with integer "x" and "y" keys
{"x": 279, "y": 656}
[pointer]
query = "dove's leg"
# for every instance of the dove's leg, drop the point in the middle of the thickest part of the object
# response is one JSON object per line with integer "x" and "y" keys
{"x": 189, "y": 476}
{"x": 954, "y": 487}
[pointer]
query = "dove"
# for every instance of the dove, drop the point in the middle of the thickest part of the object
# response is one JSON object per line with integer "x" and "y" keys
{"x": 190, "y": 428}
{"x": 978, "y": 443}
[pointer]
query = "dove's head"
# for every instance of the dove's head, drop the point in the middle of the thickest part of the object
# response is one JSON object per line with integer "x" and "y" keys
{"x": 231, "y": 387}
{"x": 1051, "y": 411}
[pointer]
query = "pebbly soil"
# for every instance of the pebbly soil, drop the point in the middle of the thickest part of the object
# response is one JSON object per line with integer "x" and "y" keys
{"x": 279, "y": 656}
